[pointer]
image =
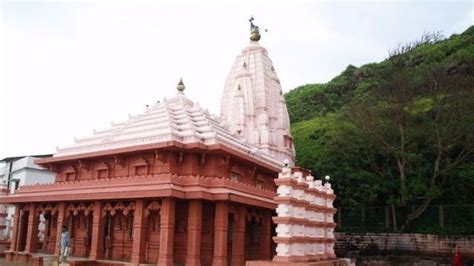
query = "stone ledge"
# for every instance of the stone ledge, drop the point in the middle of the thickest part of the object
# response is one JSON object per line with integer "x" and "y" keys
{"x": 302, "y": 239}
{"x": 331, "y": 262}
{"x": 302, "y": 221}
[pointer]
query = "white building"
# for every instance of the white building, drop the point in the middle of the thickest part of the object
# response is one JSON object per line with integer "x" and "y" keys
{"x": 16, "y": 172}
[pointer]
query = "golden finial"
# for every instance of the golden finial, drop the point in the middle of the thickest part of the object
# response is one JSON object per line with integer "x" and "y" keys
{"x": 180, "y": 87}
{"x": 254, "y": 31}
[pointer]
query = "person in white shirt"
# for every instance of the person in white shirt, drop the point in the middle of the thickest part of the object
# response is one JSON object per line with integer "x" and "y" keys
{"x": 64, "y": 244}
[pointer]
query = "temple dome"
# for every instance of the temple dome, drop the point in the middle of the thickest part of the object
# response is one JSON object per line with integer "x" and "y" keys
{"x": 253, "y": 107}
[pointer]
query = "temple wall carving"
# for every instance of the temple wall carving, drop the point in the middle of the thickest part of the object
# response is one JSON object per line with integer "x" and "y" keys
{"x": 146, "y": 164}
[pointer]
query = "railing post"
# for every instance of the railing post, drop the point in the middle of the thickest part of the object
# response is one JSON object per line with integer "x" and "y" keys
{"x": 387, "y": 217}
{"x": 441, "y": 215}
{"x": 362, "y": 210}
{"x": 339, "y": 218}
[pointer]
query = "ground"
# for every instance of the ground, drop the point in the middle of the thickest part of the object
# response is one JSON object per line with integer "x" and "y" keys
{"x": 3, "y": 262}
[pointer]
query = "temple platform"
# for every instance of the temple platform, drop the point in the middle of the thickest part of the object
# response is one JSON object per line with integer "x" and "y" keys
{"x": 51, "y": 260}
{"x": 332, "y": 262}
{"x": 4, "y": 245}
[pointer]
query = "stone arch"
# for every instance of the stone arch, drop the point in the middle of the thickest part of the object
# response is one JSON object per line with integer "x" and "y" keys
{"x": 79, "y": 223}
{"x": 47, "y": 227}
{"x": 152, "y": 216}
{"x": 118, "y": 230}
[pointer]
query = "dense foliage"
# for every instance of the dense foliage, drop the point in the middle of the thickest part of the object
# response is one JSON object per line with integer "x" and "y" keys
{"x": 396, "y": 133}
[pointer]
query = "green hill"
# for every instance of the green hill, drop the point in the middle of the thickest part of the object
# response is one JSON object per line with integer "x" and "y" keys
{"x": 398, "y": 132}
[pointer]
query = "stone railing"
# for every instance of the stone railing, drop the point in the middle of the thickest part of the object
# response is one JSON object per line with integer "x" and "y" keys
{"x": 305, "y": 218}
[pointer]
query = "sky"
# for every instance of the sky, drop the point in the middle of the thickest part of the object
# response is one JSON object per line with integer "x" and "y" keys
{"x": 68, "y": 67}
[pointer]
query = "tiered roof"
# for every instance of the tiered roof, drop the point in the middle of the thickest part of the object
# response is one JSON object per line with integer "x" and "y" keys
{"x": 178, "y": 119}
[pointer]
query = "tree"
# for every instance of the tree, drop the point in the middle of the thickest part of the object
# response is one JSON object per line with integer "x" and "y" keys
{"x": 419, "y": 117}
{"x": 418, "y": 102}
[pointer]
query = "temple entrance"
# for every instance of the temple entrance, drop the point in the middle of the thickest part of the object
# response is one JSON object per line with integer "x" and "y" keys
{"x": 80, "y": 228}
{"x": 180, "y": 232}
{"x": 207, "y": 233}
{"x": 152, "y": 232}
{"x": 252, "y": 239}
{"x": 121, "y": 236}
{"x": 78, "y": 221}
{"x": 118, "y": 231}
{"x": 49, "y": 233}
{"x": 152, "y": 235}
{"x": 107, "y": 229}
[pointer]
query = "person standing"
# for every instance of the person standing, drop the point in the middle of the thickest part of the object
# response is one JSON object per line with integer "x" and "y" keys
{"x": 457, "y": 259}
{"x": 64, "y": 244}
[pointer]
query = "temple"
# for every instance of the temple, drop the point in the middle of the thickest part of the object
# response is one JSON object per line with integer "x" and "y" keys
{"x": 170, "y": 186}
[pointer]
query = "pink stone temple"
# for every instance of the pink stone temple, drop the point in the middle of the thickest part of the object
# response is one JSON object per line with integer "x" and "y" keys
{"x": 176, "y": 186}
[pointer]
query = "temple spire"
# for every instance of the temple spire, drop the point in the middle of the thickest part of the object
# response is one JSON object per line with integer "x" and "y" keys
{"x": 252, "y": 105}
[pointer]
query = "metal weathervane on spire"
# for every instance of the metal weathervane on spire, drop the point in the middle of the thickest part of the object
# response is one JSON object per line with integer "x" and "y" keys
{"x": 254, "y": 31}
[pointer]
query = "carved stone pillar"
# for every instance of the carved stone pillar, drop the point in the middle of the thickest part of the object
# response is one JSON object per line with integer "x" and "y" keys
{"x": 167, "y": 213}
{"x": 16, "y": 229}
{"x": 32, "y": 235}
{"x": 60, "y": 222}
{"x": 139, "y": 231}
{"x": 238, "y": 241}
{"x": 21, "y": 233}
{"x": 193, "y": 256}
{"x": 97, "y": 242}
{"x": 221, "y": 221}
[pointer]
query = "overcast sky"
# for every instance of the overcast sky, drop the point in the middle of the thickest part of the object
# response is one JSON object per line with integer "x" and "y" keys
{"x": 67, "y": 68}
